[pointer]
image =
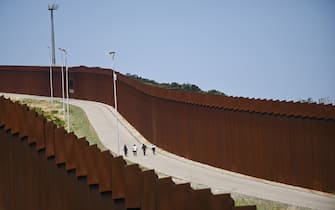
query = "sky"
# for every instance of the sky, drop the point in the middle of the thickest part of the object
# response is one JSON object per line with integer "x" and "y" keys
{"x": 282, "y": 50}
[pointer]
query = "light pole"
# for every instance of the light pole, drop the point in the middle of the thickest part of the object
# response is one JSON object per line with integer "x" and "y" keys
{"x": 51, "y": 8}
{"x": 115, "y": 103}
{"x": 66, "y": 89}
{"x": 50, "y": 77}
{"x": 62, "y": 73}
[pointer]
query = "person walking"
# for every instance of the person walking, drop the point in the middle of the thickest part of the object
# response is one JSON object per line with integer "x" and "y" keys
{"x": 134, "y": 150}
{"x": 153, "y": 148}
{"x": 125, "y": 150}
{"x": 144, "y": 148}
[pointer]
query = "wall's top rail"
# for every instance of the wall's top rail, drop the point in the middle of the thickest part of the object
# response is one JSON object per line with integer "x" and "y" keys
{"x": 263, "y": 106}
{"x": 287, "y": 108}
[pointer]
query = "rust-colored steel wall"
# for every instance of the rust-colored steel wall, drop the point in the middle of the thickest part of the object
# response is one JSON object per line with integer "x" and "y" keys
{"x": 47, "y": 168}
{"x": 32, "y": 80}
{"x": 288, "y": 142}
{"x": 293, "y": 150}
{"x": 96, "y": 86}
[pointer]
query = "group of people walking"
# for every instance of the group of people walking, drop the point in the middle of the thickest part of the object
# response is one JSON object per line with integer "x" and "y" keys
{"x": 144, "y": 149}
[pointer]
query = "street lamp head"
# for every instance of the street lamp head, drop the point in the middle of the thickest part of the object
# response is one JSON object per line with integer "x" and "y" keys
{"x": 52, "y": 6}
{"x": 112, "y": 53}
{"x": 62, "y": 49}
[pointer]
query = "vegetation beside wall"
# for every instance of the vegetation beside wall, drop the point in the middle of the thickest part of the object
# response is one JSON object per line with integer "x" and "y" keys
{"x": 175, "y": 85}
{"x": 79, "y": 122}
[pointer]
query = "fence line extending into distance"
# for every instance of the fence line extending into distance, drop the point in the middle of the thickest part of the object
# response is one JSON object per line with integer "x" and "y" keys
{"x": 44, "y": 167}
{"x": 287, "y": 142}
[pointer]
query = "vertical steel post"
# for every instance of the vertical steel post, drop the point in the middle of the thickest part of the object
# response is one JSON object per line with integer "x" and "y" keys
{"x": 67, "y": 92}
{"x": 117, "y": 114}
{"x": 115, "y": 103}
{"x": 62, "y": 72}
{"x": 50, "y": 78}
{"x": 51, "y": 8}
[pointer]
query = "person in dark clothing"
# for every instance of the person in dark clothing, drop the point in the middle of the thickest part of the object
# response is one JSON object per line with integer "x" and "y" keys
{"x": 144, "y": 148}
{"x": 153, "y": 147}
{"x": 125, "y": 150}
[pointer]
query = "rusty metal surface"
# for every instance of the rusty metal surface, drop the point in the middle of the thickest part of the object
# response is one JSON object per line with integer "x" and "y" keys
{"x": 97, "y": 84}
{"x": 245, "y": 208}
{"x": 293, "y": 149}
{"x": 49, "y": 131}
{"x": 38, "y": 184}
{"x": 202, "y": 199}
{"x": 80, "y": 156}
{"x": 222, "y": 201}
{"x": 235, "y": 103}
{"x": 15, "y": 127}
{"x": 133, "y": 186}
{"x": 164, "y": 190}
{"x": 39, "y": 133}
{"x": 59, "y": 145}
{"x": 91, "y": 160}
{"x": 32, "y": 179}
{"x": 282, "y": 141}
{"x": 70, "y": 139}
{"x": 31, "y": 117}
{"x": 181, "y": 192}
{"x": 118, "y": 178}
{"x": 149, "y": 195}
{"x": 104, "y": 166}
{"x": 24, "y": 129}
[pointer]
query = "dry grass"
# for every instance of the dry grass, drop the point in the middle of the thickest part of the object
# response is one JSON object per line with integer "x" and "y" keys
{"x": 79, "y": 122}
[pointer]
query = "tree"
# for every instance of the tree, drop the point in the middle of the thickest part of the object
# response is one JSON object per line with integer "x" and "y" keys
{"x": 174, "y": 85}
{"x": 215, "y": 92}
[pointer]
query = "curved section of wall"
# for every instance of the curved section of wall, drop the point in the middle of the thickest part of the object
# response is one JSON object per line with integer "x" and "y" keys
{"x": 44, "y": 167}
{"x": 297, "y": 109}
{"x": 287, "y": 149}
{"x": 287, "y": 142}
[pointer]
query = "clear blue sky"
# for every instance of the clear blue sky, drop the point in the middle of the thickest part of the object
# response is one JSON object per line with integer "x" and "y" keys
{"x": 282, "y": 49}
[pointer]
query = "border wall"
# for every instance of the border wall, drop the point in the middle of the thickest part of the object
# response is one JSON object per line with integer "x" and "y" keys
{"x": 287, "y": 142}
{"x": 44, "y": 167}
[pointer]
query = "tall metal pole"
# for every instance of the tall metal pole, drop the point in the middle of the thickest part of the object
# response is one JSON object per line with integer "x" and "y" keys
{"x": 62, "y": 72}
{"x": 50, "y": 78}
{"x": 115, "y": 103}
{"x": 66, "y": 88}
{"x": 52, "y": 37}
{"x": 51, "y": 8}
{"x": 117, "y": 114}
{"x": 67, "y": 92}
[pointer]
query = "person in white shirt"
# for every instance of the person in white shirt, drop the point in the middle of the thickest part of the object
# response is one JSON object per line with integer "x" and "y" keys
{"x": 134, "y": 150}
